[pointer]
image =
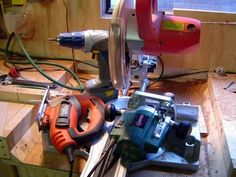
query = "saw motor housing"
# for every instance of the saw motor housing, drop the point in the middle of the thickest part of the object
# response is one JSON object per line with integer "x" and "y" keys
{"x": 139, "y": 27}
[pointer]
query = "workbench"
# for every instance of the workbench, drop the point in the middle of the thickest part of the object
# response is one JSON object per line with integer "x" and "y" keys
{"x": 22, "y": 150}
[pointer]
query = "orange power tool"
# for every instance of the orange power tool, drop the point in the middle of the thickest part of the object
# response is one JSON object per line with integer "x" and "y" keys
{"x": 62, "y": 117}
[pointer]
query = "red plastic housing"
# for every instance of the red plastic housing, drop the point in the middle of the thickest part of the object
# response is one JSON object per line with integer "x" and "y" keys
{"x": 60, "y": 137}
{"x": 165, "y": 33}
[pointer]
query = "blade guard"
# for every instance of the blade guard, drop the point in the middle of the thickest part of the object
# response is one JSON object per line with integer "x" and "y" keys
{"x": 64, "y": 136}
{"x": 165, "y": 33}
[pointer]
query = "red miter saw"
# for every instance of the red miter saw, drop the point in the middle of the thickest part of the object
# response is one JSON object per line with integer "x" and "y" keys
{"x": 143, "y": 29}
{"x": 139, "y": 28}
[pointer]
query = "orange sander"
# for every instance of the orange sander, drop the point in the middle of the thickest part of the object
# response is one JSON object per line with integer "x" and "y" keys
{"x": 62, "y": 116}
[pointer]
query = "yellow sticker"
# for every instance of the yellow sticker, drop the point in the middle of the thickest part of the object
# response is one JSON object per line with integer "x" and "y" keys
{"x": 109, "y": 93}
{"x": 18, "y": 2}
{"x": 170, "y": 25}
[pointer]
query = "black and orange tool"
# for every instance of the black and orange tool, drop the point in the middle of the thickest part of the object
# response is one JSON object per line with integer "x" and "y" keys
{"x": 62, "y": 117}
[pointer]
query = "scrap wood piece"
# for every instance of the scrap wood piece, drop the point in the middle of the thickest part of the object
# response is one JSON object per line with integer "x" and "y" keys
{"x": 202, "y": 124}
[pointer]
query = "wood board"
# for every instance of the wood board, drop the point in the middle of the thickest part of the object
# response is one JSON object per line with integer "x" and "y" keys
{"x": 16, "y": 120}
{"x": 217, "y": 41}
{"x": 224, "y": 104}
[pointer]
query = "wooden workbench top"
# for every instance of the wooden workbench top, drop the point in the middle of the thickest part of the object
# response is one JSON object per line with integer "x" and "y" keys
{"x": 224, "y": 104}
{"x": 20, "y": 139}
{"x": 28, "y": 151}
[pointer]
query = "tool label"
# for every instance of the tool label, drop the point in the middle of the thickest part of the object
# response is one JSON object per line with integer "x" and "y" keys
{"x": 140, "y": 121}
{"x": 171, "y": 25}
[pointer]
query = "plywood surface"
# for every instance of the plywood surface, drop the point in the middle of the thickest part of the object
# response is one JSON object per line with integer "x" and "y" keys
{"x": 224, "y": 104}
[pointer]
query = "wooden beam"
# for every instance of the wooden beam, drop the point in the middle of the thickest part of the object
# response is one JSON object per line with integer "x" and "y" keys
{"x": 17, "y": 119}
{"x": 224, "y": 104}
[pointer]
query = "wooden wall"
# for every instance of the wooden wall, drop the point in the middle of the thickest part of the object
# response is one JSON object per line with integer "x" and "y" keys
{"x": 59, "y": 16}
{"x": 217, "y": 43}
{"x": 218, "y": 39}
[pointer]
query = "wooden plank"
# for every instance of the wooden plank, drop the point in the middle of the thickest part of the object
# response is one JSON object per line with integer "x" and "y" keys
{"x": 216, "y": 44}
{"x": 224, "y": 104}
{"x": 17, "y": 119}
{"x": 4, "y": 110}
{"x": 202, "y": 124}
{"x": 206, "y": 16}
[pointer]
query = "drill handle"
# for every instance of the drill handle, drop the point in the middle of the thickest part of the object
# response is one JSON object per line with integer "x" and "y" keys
{"x": 103, "y": 66}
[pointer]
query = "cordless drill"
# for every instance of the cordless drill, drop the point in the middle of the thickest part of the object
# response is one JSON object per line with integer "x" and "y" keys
{"x": 95, "y": 41}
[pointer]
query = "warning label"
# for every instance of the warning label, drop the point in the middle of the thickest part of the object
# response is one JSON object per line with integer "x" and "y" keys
{"x": 170, "y": 25}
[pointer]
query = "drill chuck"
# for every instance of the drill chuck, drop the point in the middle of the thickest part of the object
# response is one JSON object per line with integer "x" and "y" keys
{"x": 75, "y": 40}
{"x": 83, "y": 40}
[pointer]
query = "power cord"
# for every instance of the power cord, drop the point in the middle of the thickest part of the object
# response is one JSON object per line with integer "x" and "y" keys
{"x": 34, "y": 63}
{"x": 105, "y": 153}
{"x": 161, "y": 74}
{"x": 18, "y": 54}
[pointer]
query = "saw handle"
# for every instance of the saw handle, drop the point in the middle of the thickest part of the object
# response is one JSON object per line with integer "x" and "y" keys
{"x": 148, "y": 18}
{"x": 96, "y": 120}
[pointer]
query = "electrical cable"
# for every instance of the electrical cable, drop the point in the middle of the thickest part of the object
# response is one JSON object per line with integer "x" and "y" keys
{"x": 12, "y": 53}
{"x": 111, "y": 144}
{"x": 183, "y": 74}
{"x": 34, "y": 63}
{"x": 71, "y": 169}
{"x": 161, "y": 74}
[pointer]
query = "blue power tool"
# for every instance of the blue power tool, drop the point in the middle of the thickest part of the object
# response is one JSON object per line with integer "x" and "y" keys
{"x": 152, "y": 125}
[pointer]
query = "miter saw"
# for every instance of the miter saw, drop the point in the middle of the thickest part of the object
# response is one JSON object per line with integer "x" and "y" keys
{"x": 152, "y": 129}
{"x": 147, "y": 123}
{"x": 140, "y": 27}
